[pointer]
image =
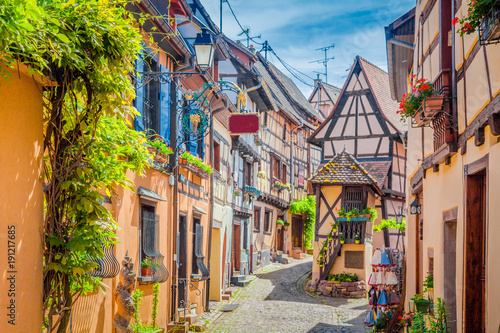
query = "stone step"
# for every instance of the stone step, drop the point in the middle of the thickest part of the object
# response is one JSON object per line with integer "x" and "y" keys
{"x": 226, "y": 297}
{"x": 190, "y": 318}
{"x": 178, "y": 327}
{"x": 229, "y": 292}
{"x": 200, "y": 327}
{"x": 242, "y": 283}
{"x": 236, "y": 278}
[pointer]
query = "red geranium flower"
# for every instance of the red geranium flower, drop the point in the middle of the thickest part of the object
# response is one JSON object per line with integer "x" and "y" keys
{"x": 455, "y": 21}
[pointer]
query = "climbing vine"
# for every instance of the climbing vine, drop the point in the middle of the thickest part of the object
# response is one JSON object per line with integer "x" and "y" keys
{"x": 306, "y": 206}
{"x": 86, "y": 48}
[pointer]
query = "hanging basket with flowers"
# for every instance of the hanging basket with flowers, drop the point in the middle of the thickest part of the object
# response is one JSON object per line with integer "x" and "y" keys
{"x": 421, "y": 104}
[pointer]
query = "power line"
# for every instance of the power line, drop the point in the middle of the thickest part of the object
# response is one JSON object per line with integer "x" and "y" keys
{"x": 245, "y": 31}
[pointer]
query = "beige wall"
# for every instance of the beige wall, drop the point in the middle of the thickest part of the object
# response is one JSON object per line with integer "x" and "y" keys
{"x": 445, "y": 189}
{"x": 21, "y": 201}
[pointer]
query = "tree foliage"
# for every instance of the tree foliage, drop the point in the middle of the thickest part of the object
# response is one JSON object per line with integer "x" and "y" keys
{"x": 306, "y": 206}
{"x": 390, "y": 223}
{"x": 87, "y": 48}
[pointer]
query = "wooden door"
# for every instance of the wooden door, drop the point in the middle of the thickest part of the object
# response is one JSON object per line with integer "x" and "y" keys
{"x": 475, "y": 253}
{"x": 236, "y": 252}
{"x": 450, "y": 272}
{"x": 297, "y": 231}
{"x": 280, "y": 232}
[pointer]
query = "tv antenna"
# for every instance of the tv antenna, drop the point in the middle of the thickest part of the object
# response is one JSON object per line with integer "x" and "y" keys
{"x": 325, "y": 60}
{"x": 246, "y": 32}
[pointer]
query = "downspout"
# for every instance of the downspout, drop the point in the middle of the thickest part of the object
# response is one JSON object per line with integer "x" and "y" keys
{"x": 173, "y": 140}
{"x": 454, "y": 111}
{"x": 211, "y": 216}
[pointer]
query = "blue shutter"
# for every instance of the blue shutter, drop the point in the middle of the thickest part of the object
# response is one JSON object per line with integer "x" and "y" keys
{"x": 139, "y": 92}
{"x": 164, "y": 106}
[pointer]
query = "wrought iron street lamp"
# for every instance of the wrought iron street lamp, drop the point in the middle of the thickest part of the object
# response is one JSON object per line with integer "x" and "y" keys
{"x": 204, "y": 47}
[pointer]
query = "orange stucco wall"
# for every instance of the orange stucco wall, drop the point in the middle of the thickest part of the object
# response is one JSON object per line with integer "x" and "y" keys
{"x": 21, "y": 202}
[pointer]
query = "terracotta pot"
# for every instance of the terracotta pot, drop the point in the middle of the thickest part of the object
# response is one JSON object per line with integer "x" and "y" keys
{"x": 433, "y": 106}
{"x": 420, "y": 120}
{"x": 146, "y": 271}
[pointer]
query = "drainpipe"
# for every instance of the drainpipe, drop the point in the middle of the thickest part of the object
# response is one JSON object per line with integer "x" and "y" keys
{"x": 173, "y": 140}
{"x": 211, "y": 216}
{"x": 453, "y": 73}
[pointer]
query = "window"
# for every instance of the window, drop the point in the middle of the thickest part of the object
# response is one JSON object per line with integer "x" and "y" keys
{"x": 194, "y": 266}
{"x": 283, "y": 173}
{"x": 256, "y": 219}
{"x": 284, "y": 132}
{"x": 300, "y": 138}
{"x": 302, "y": 173}
{"x": 248, "y": 173}
{"x": 216, "y": 156}
{"x": 275, "y": 165}
{"x": 354, "y": 197}
{"x": 152, "y": 100}
{"x": 149, "y": 246}
{"x": 267, "y": 221}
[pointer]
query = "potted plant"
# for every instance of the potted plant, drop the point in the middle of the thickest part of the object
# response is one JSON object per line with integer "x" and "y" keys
{"x": 342, "y": 214}
{"x": 160, "y": 148}
{"x": 334, "y": 226}
{"x": 279, "y": 221}
{"x": 421, "y": 304}
{"x": 237, "y": 192}
{"x": 429, "y": 285}
{"x": 341, "y": 238}
{"x": 329, "y": 237}
{"x": 147, "y": 266}
{"x": 357, "y": 238}
{"x": 482, "y": 14}
{"x": 420, "y": 103}
{"x": 371, "y": 213}
{"x": 261, "y": 174}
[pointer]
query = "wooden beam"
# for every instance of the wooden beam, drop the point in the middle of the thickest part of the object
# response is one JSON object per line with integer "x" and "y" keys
{"x": 494, "y": 122}
{"x": 479, "y": 136}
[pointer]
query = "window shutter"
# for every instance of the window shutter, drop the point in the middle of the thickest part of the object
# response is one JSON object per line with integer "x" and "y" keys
{"x": 164, "y": 108}
{"x": 139, "y": 92}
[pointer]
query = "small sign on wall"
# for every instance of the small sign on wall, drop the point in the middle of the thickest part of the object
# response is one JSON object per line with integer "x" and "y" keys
{"x": 354, "y": 259}
{"x": 243, "y": 123}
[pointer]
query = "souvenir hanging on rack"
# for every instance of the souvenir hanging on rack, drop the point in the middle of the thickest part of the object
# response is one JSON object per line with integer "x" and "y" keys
{"x": 376, "y": 258}
{"x": 373, "y": 298}
{"x": 391, "y": 278}
{"x": 369, "y": 319}
{"x": 393, "y": 298}
{"x": 382, "y": 298}
{"x": 384, "y": 260}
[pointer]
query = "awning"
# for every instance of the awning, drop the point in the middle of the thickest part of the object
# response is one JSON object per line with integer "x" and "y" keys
{"x": 199, "y": 210}
{"x": 144, "y": 192}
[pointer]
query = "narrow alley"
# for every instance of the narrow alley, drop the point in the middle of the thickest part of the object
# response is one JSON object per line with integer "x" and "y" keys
{"x": 276, "y": 301}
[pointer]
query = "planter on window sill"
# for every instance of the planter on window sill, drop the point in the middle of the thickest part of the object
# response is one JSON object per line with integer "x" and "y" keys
{"x": 158, "y": 156}
{"x": 359, "y": 218}
{"x": 146, "y": 272}
{"x": 193, "y": 168}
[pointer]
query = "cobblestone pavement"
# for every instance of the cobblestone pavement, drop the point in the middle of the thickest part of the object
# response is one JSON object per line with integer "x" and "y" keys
{"x": 277, "y": 302}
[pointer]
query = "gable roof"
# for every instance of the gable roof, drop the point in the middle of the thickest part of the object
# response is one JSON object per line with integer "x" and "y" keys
{"x": 285, "y": 93}
{"x": 379, "y": 83}
{"x": 332, "y": 91}
{"x": 378, "y": 169}
{"x": 343, "y": 169}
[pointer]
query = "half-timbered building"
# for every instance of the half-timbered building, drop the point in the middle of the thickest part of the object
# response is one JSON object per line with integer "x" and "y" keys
{"x": 364, "y": 122}
{"x": 323, "y": 97}
{"x": 287, "y": 160}
{"x": 453, "y": 157}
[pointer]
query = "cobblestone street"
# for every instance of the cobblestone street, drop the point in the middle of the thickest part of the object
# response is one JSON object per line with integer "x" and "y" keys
{"x": 276, "y": 302}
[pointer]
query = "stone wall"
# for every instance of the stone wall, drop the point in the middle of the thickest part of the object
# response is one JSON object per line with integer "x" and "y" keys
{"x": 339, "y": 289}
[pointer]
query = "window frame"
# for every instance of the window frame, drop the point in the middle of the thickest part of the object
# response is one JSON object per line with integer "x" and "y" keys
{"x": 256, "y": 218}
{"x": 217, "y": 158}
{"x": 268, "y": 222}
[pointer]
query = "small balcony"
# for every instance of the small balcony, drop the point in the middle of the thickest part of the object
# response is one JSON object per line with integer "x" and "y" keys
{"x": 349, "y": 229}
{"x": 252, "y": 191}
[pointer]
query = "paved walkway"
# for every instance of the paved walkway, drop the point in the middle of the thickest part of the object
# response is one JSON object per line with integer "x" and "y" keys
{"x": 276, "y": 302}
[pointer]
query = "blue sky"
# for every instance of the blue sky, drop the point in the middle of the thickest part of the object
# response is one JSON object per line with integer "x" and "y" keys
{"x": 295, "y": 29}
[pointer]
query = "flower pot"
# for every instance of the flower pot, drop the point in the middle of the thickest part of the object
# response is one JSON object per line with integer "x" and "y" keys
{"x": 342, "y": 241}
{"x": 421, "y": 305}
{"x": 334, "y": 230}
{"x": 419, "y": 120}
{"x": 433, "y": 105}
{"x": 356, "y": 241}
{"x": 146, "y": 271}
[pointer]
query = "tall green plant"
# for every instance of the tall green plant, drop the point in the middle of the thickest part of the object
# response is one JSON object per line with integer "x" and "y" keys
{"x": 154, "y": 311}
{"x": 306, "y": 206}
{"x": 87, "y": 48}
{"x": 136, "y": 299}
{"x": 390, "y": 223}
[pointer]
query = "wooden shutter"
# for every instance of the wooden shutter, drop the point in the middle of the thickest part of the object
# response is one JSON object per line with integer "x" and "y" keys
{"x": 353, "y": 198}
{"x": 139, "y": 94}
{"x": 164, "y": 109}
{"x": 302, "y": 172}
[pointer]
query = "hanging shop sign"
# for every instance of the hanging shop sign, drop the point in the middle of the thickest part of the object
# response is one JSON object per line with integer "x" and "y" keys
{"x": 243, "y": 123}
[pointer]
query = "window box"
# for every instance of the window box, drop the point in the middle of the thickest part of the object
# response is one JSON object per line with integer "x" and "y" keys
{"x": 193, "y": 168}
{"x": 252, "y": 191}
{"x": 359, "y": 218}
{"x": 489, "y": 28}
{"x": 428, "y": 111}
